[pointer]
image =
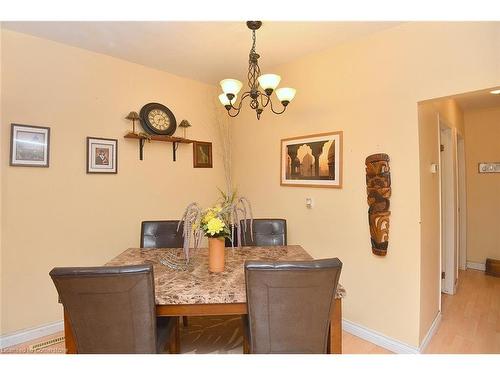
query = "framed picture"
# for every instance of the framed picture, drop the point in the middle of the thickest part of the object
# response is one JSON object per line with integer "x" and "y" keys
{"x": 29, "y": 146}
{"x": 312, "y": 160}
{"x": 202, "y": 154}
{"x": 102, "y": 155}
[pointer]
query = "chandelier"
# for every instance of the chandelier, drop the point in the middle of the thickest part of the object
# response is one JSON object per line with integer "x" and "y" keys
{"x": 258, "y": 99}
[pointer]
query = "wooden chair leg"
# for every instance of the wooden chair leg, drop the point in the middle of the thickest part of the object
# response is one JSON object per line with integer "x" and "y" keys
{"x": 185, "y": 321}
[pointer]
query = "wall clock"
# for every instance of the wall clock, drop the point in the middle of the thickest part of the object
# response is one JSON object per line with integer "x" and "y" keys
{"x": 157, "y": 119}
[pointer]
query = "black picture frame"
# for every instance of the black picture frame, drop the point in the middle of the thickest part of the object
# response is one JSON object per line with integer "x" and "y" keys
{"x": 102, "y": 155}
{"x": 25, "y": 151}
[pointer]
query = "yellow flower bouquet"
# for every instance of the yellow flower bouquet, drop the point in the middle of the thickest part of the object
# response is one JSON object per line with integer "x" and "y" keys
{"x": 214, "y": 224}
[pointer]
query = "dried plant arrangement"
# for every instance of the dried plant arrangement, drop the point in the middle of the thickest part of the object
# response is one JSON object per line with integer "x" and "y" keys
{"x": 220, "y": 221}
{"x": 223, "y": 124}
{"x": 223, "y": 219}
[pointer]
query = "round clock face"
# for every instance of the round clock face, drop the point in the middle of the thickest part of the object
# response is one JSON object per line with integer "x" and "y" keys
{"x": 158, "y": 119}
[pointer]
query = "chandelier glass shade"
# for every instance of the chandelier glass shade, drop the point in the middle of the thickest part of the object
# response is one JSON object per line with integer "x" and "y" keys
{"x": 259, "y": 99}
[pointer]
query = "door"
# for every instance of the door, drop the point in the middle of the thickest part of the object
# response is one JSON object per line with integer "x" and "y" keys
{"x": 448, "y": 208}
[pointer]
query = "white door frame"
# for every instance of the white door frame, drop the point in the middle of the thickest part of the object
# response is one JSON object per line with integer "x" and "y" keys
{"x": 462, "y": 203}
{"x": 448, "y": 212}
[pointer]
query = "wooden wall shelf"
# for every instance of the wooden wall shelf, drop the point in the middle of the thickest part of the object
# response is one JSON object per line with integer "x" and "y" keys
{"x": 162, "y": 138}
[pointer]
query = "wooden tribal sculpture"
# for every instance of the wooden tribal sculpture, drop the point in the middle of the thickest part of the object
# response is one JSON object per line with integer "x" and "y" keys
{"x": 378, "y": 188}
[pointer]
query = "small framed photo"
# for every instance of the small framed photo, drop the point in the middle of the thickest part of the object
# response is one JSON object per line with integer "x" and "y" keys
{"x": 202, "y": 154}
{"x": 102, "y": 155}
{"x": 312, "y": 160}
{"x": 29, "y": 146}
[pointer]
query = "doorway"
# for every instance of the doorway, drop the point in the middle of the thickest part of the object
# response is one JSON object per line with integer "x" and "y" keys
{"x": 448, "y": 209}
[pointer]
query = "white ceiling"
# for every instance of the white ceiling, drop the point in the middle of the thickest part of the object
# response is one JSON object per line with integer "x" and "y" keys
{"x": 478, "y": 100}
{"x": 205, "y": 51}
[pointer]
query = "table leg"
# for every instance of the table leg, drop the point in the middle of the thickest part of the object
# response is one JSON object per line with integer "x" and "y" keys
{"x": 175, "y": 339}
{"x": 69, "y": 340}
{"x": 335, "y": 339}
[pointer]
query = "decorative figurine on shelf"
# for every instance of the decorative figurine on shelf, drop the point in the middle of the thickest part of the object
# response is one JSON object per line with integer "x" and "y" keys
{"x": 133, "y": 116}
{"x": 378, "y": 188}
{"x": 184, "y": 125}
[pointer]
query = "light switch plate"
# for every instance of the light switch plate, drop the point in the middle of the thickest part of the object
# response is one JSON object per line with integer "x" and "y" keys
{"x": 489, "y": 167}
{"x": 309, "y": 202}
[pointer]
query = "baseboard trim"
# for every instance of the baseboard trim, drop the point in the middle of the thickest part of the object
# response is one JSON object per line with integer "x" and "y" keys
{"x": 378, "y": 338}
{"x": 25, "y": 335}
{"x": 430, "y": 333}
{"x": 476, "y": 266}
{"x": 355, "y": 329}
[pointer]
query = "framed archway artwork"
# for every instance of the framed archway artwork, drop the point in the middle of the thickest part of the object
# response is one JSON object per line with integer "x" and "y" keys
{"x": 312, "y": 161}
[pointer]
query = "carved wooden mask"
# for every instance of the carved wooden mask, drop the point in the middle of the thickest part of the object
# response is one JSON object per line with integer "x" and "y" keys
{"x": 378, "y": 188}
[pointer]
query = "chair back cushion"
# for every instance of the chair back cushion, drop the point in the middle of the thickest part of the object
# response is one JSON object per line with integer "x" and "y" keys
{"x": 289, "y": 304}
{"x": 266, "y": 232}
{"x": 111, "y": 309}
{"x": 155, "y": 234}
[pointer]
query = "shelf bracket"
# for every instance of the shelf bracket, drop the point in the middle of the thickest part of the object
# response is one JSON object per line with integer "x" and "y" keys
{"x": 141, "y": 147}
{"x": 175, "y": 145}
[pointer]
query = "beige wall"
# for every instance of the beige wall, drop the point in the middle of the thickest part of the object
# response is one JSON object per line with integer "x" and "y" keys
{"x": 1, "y": 182}
{"x": 482, "y": 144}
{"x": 429, "y": 115}
{"x": 369, "y": 89}
{"x": 61, "y": 216}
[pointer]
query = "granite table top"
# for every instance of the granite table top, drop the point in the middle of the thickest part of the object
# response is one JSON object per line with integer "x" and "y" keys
{"x": 198, "y": 285}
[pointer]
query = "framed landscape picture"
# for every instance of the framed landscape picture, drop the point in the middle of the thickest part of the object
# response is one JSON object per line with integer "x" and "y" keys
{"x": 29, "y": 146}
{"x": 202, "y": 154}
{"x": 102, "y": 155}
{"x": 312, "y": 160}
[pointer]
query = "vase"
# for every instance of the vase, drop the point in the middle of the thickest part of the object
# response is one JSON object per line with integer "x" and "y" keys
{"x": 216, "y": 249}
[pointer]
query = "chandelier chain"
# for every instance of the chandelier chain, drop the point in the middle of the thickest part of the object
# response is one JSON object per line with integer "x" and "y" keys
{"x": 254, "y": 42}
{"x": 253, "y": 70}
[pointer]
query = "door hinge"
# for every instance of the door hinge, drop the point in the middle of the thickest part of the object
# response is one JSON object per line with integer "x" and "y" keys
{"x": 441, "y": 147}
{"x": 443, "y": 274}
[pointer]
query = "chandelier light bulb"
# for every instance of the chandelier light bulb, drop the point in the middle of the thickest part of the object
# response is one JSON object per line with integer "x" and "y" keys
{"x": 225, "y": 100}
{"x": 231, "y": 86}
{"x": 269, "y": 82}
{"x": 285, "y": 95}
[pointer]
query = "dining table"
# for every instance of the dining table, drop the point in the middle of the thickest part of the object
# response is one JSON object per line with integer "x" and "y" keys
{"x": 192, "y": 290}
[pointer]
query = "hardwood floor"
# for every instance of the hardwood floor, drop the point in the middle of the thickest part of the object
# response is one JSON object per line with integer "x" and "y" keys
{"x": 354, "y": 345}
{"x": 471, "y": 318}
{"x": 470, "y": 324}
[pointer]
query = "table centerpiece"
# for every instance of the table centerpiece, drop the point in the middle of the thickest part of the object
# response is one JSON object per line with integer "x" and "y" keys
{"x": 217, "y": 223}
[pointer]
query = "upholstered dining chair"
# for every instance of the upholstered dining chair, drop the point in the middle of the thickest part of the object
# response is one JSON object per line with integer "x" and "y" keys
{"x": 163, "y": 233}
{"x": 289, "y": 305}
{"x": 266, "y": 232}
{"x": 112, "y": 310}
